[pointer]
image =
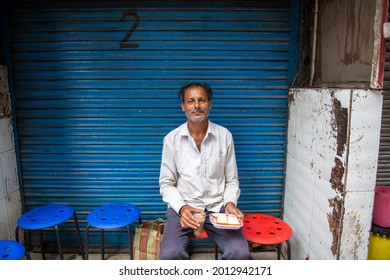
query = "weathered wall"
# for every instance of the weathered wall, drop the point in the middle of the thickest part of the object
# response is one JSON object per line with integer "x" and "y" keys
{"x": 10, "y": 203}
{"x": 333, "y": 142}
{"x": 345, "y": 42}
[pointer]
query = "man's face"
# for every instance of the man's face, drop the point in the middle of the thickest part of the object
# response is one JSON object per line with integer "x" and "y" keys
{"x": 196, "y": 105}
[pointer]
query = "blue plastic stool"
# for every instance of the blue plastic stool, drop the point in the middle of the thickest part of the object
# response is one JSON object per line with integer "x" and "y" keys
{"x": 12, "y": 250}
{"x": 112, "y": 216}
{"x": 45, "y": 217}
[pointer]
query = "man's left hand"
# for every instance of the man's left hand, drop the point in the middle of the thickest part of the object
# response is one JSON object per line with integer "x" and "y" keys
{"x": 230, "y": 208}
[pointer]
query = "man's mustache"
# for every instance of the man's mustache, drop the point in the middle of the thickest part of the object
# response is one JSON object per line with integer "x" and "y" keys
{"x": 197, "y": 111}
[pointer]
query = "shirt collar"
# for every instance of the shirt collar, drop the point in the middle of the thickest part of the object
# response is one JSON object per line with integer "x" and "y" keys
{"x": 210, "y": 129}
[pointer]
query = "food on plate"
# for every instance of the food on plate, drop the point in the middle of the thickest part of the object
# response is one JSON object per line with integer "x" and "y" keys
{"x": 228, "y": 220}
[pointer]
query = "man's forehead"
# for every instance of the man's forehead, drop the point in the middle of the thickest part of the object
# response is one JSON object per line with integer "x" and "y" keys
{"x": 195, "y": 90}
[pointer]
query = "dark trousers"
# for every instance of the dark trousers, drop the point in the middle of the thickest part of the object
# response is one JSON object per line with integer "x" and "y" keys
{"x": 232, "y": 242}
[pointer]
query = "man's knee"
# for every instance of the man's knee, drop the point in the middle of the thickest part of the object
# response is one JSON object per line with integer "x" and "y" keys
{"x": 237, "y": 251}
{"x": 173, "y": 254}
{"x": 237, "y": 255}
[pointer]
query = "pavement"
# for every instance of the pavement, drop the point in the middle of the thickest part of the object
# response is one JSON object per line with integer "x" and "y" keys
{"x": 266, "y": 255}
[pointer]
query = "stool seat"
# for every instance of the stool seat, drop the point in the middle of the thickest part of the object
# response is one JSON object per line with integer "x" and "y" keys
{"x": 267, "y": 230}
{"x": 11, "y": 250}
{"x": 203, "y": 235}
{"x": 45, "y": 216}
{"x": 114, "y": 215}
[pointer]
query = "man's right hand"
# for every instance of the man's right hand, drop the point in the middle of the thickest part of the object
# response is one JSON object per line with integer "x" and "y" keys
{"x": 187, "y": 219}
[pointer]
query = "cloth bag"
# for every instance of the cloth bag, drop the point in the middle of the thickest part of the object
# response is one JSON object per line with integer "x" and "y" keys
{"x": 147, "y": 240}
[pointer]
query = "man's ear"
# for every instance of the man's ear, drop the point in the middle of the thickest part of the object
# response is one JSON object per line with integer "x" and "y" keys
{"x": 182, "y": 106}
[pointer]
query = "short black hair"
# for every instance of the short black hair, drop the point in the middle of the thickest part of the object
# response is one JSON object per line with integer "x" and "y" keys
{"x": 205, "y": 86}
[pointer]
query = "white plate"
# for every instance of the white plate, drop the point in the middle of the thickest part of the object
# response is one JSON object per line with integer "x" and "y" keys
{"x": 213, "y": 220}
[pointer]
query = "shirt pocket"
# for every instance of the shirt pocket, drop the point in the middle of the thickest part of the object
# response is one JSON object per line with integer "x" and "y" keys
{"x": 216, "y": 166}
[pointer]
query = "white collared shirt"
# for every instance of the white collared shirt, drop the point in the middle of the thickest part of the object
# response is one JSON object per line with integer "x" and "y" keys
{"x": 205, "y": 179}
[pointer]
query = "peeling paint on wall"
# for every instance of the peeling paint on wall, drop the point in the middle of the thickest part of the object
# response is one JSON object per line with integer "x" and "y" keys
{"x": 340, "y": 127}
{"x": 5, "y": 104}
{"x": 356, "y": 228}
{"x": 291, "y": 101}
{"x": 334, "y": 220}
{"x": 291, "y": 98}
{"x": 336, "y": 177}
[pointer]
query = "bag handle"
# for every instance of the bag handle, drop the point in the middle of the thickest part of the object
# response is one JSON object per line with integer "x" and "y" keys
{"x": 160, "y": 220}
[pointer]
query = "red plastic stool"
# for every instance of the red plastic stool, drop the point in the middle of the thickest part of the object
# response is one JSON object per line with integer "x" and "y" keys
{"x": 267, "y": 230}
{"x": 204, "y": 235}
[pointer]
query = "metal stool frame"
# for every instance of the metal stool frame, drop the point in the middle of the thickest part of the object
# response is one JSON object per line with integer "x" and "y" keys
{"x": 265, "y": 229}
{"x": 44, "y": 217}
{"x": 113, "y": 217}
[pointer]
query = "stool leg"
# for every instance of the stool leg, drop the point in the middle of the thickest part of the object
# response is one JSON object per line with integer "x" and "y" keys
{"x": 17, "y": 238}
{"x": 215, "y": 251}
{"x": 17, "y": 233}
{"x": 130, "y": 241}
{"x": 279, "y": 248}
{"x": 102, "y": 242}
{"x": 28, "y": 241}
{"x": 78, "y": 234}
{"x": 288, "y": 250}
{"x": 41, "y": 242}
{"x": 86, "y": 242}
{"x": 59, "y": 242}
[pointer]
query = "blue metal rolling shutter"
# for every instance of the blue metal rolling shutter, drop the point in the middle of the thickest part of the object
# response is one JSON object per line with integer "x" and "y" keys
{"x": 96, "y": 90}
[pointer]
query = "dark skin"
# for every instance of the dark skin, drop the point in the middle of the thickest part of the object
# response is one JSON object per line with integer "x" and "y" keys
{"x": 196, "y": 106}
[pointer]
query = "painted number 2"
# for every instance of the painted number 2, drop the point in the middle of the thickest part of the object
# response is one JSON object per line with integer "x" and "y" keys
{"x": 124, "y": 43}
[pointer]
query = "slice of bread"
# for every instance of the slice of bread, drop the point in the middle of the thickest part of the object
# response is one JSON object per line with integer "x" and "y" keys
{"x": 228, "y": 220}
{"x": 222, "y": 220}
{"x": 233, "y": 221}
